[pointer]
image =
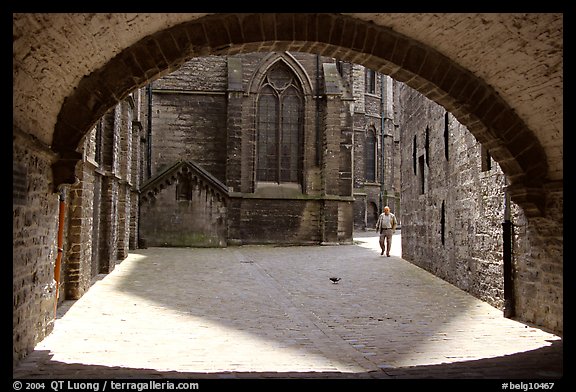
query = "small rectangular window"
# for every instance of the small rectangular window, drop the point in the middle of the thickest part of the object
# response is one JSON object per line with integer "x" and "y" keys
{"x": 446, "y": 133}
{"x": 486, "y": 159}
{"x": 370, "y": 81}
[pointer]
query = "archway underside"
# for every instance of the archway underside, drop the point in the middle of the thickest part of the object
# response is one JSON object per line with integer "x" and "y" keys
{"x": 474, "y": 103}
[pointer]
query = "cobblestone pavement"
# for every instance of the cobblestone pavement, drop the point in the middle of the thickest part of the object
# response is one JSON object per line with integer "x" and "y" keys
{"x": 272, "y": 312}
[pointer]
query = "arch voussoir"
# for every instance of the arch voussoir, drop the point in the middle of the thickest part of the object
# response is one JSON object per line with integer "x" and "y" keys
{"x": 476, "y": 104}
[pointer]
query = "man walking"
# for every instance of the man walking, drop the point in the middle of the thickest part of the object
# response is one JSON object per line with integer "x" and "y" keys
{"x": 386, "y": 226}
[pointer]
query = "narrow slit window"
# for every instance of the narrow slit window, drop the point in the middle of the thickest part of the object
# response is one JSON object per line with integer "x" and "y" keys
{"x": 414, "y": 149}
{"x": 446, "y": 134}
{"x": 427, "y": 146}
{"x": 340, "y": 67}
{"x": 486, "y": 159}
{"x": 443, "y": 224}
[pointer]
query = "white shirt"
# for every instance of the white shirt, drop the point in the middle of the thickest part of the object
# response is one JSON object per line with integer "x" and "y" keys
{"x": 385, "y": 221}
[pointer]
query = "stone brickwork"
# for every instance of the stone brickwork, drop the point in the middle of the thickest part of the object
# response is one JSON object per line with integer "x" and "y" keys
{"x": 279, "y": 221}
{"x": 452, "y": 210}
{"x": 189, "y": 117}
{"x": 98, "y": 230}
{"x": 77, "y": 260}
{"x": 34, "y": 244}
{"x": 539, "y": 264}
{"x": 183, "y": 206}
{"x": 454, "y": 204}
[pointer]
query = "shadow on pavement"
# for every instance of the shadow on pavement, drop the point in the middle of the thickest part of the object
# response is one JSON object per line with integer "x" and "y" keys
{"x": 545, "y": 363}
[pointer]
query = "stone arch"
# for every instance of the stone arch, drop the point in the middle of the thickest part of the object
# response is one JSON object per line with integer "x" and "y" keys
{"x": 472, "y": 101}
{"x": 371, "y": 214}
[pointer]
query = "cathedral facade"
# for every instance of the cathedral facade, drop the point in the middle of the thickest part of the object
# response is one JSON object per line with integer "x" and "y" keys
{"x": 285, "y": 148}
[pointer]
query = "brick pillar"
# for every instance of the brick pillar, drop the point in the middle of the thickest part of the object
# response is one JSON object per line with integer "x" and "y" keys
{"x": 133, "y": 238}
{"x": 345, "y": 151}
{"x": 78, "y": 254}
{"x": 137, "y": 134}
{"x": 109, "y": 224}
{"x": 123, "y": 219}
{"x": 337, "y": 143}
{"x": 331, "y": 147}
{"x": 124, "y": 159}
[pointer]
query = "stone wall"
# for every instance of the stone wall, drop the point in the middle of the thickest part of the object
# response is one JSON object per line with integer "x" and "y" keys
{"x": 539, "y": 264}
{"x": 184, "y": 206}
{"x": 452, "y": 209}
{"x": 34, "y": 244}
{"x": 454, "y": 203}
{"x": 97, "y": 228}
{"x": 189, "y": 116}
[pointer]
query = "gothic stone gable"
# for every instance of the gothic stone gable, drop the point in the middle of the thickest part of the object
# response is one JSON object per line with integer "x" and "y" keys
{"x": 183, "y": 205}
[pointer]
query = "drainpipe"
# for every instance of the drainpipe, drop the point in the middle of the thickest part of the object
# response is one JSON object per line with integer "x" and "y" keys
{"x": 57, "y": 267}
{"x": 509, "y": 300}
{"x": 149, "y": 133}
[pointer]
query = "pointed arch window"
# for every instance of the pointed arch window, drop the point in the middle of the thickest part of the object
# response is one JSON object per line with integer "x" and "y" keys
{"x": 279, "y": 127}
{"x": 370, "y": 158}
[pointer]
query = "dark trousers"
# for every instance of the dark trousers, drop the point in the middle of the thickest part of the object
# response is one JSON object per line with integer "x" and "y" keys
{"x": 386, "y": 240}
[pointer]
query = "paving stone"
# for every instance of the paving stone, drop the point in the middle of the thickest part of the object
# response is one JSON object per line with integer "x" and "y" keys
{"x": 207, "y": 314}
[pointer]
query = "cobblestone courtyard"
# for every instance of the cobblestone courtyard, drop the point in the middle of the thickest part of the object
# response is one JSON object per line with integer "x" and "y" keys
{"x": 266, "y": 311}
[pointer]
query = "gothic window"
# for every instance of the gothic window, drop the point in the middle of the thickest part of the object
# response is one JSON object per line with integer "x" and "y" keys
{"x": 370, "y": 158}
{"x": 279, "y": 127}
{"x": 370, "y": 81}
